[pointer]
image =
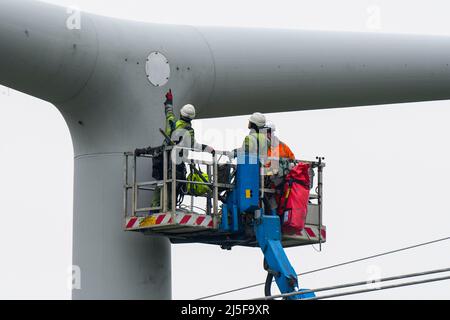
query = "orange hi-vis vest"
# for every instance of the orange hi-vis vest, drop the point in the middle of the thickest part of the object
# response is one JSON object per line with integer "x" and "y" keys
{"x": 281, "y": 151}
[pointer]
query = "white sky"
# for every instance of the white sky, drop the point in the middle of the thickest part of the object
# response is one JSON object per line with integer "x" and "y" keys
{"x": 385, "y": 183}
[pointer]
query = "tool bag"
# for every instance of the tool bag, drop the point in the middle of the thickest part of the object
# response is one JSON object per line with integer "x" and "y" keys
{"x": 293, "y": 204}
{"x": 195, "y": 189}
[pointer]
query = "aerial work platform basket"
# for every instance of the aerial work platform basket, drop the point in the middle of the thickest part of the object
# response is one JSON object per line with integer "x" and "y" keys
{"x": 187, "y": 218}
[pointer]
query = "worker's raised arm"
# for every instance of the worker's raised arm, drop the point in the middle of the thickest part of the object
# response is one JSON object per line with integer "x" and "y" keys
{"x": 170, "y": 115}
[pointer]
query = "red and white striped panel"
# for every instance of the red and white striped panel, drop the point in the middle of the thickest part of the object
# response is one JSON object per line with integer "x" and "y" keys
{"x": 312, "y": 233}
{"x": 165, "y": 219}
{"x": 195, "y": 220}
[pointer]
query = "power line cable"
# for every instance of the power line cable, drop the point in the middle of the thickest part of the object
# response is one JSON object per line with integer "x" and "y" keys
{"x": 333, "y": 266}
{"x": 355, "y": 284}
{"x": 393, "y": 286}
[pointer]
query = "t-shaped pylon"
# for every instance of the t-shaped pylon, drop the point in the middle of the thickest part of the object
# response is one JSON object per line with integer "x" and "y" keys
{"x": 108, "y": 78}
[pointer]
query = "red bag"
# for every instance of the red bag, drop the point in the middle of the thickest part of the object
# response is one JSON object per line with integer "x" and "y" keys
{"x": 293, "y": 206}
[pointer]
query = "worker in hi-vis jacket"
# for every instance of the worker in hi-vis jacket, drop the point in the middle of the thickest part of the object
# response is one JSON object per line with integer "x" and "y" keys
{"x": 181, "y": 133}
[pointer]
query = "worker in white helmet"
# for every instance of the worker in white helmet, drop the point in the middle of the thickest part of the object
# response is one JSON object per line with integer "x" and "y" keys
{"x": 278, "y": 149}
{"x": 279, "y": 154}
{"x": 183, "y": 125}
{"x": 178, "y": 129}
{"x": 256, "y": 141}
{"x": 181, "y": 132}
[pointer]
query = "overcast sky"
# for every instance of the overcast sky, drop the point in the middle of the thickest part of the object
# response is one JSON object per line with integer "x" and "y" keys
{"x": 386, "y": 181}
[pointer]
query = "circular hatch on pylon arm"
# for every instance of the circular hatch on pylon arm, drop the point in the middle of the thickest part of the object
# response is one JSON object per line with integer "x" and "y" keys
{"x": 157, "y": 69}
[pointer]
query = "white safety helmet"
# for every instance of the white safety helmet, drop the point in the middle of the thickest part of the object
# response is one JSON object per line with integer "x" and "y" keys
{"x": 258, "y": 119}
{"x": 271, "y": 126}
{"x": 188, "y": 111}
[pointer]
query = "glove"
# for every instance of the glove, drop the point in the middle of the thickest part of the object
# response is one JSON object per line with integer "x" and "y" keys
{"x": 209, "y": 149}
{"x": 169, "y": 98}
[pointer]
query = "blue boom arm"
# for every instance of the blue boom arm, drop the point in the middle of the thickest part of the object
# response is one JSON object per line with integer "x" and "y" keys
{"x": 245, "y": 198}
{"x": 268, "y": 234}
